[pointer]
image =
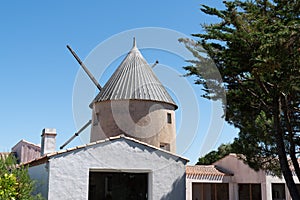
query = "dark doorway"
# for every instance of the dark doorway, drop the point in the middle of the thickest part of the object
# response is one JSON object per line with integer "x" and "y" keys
{"x": 118, "y": 186}
{"x": 278, "y": 191}
{"x": 250, "y": 191}
{"x": 210, "y": 191}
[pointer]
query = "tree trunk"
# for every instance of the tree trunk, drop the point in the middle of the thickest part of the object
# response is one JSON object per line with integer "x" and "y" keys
{"x": 295, "y": 162}
{"x": 284, "y": 165}
{"x": 286, "y": 171}
{"x": 291, "y": 136}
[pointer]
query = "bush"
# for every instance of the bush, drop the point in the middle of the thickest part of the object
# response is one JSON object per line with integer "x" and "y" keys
{"x": 15, "y": 183}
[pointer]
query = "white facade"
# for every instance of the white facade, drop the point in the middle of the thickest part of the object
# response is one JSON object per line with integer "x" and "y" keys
{"x": 40, "y": 174}
{"x": 65, "y": 175}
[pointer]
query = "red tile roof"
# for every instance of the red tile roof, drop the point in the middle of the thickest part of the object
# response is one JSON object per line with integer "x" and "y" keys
{"x": 208, "y": 172}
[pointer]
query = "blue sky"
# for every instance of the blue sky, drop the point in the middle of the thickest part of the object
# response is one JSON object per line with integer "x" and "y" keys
{"x": 38, "y": 73}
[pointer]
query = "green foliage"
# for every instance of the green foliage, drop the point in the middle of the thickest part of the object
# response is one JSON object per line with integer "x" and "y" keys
{"x": 15, "y": 183}
{"x": 8, "y": 186}
{"x": 213, "y": 156}
{"x": 256, "y": 49}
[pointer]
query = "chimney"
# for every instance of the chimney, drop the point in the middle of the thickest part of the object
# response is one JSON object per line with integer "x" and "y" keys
{"x": 48, "y": 141}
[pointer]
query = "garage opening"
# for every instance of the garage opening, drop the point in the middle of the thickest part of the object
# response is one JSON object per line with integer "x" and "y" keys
{"x": 210, "y": 191}
{"x": 118, "y": 185}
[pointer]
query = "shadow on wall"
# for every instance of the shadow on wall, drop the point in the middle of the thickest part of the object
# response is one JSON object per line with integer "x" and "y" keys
{"x": 178, "y": 190}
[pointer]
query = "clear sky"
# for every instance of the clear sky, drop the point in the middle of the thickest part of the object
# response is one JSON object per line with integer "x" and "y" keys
{"x": 38, "y": 74}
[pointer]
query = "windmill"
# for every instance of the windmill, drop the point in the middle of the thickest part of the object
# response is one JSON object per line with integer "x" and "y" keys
{"x": 134, "y": 103}
{"x": 93, "y": 79}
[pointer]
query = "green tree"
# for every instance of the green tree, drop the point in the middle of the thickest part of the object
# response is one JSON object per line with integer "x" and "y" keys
{"x": 211, "y": 157}
{"x": 256, "y": 49}
{"x": 15, "y": 183}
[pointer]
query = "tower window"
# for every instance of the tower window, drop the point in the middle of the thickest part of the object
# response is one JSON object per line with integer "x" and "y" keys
{"x": 169, "y": 118}
{"x": 164, "y": 146}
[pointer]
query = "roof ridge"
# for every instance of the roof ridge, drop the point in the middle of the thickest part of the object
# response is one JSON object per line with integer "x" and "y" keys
{"x": 25, "y": 141}
{"x": 134, "y": 44}
{"x": 47, "y": 156}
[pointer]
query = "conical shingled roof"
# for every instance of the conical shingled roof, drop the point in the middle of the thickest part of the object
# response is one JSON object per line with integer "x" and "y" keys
{"x": 134, "y": 79}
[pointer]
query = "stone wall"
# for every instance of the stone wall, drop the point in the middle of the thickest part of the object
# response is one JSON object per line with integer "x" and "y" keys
{"x": 146, "y": 121}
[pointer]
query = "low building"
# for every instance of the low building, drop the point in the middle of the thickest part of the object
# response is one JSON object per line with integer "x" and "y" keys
{"x": 118, "y": 167}
{"x": 207, "y": 182}
{"x": 26, "y": 151}
{"x": 231, "y": 179}
{"x": 23, "y": 151}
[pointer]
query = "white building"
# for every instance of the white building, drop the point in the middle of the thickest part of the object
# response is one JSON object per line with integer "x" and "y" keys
{"x": 231, "y": 179}
{"x": 118, "y": 167}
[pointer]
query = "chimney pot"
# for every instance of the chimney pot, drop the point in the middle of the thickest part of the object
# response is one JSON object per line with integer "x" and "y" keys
{"x": 48, "y": 143}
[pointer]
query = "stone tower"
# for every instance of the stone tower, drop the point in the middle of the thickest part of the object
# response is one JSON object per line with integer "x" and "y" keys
{"x": 133, "y": 102}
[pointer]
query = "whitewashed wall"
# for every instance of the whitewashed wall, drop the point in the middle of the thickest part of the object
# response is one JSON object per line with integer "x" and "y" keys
{"x": 274, "y": 179}
{"x": 40, "y": 174}
{"x": 69, "y": 172}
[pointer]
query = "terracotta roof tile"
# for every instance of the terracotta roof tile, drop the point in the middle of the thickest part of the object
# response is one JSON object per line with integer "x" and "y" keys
{"x": 206, "y": 172}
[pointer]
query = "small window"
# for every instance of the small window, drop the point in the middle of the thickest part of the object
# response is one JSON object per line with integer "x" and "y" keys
{"x": 250, "y": 191}
{"x": 169, "y": 118}
{"x": 211, "y": 191}
{"x": 278, "y": 191}
{"x": 164, "y": 146}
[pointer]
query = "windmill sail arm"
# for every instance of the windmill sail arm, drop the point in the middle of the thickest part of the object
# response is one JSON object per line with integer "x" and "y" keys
{"x": 76, "y": 134}
{"x": 85, "y": 68}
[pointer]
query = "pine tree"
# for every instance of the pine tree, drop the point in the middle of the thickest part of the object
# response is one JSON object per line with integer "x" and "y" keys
{"x": 256, "y": 49}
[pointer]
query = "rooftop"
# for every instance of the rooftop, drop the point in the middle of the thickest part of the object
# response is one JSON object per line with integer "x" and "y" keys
{"x": 28, "y": 143}
{"x": 45, "y": 158}
{"x": 208, "y": 172}
{"x": 134, "y": 79}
